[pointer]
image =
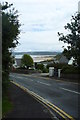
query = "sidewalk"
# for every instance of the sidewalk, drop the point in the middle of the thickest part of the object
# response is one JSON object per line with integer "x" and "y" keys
{"x": 25, "y": 106}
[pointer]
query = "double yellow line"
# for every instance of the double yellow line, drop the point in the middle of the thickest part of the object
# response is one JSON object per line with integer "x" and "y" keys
{"x": 60, "y": 112}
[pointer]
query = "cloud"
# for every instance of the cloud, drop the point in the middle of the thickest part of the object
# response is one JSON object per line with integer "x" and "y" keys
{"x": 42, "y": 20}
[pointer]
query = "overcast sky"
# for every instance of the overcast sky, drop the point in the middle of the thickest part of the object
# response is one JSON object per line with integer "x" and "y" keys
{"x": 42, "y": 20}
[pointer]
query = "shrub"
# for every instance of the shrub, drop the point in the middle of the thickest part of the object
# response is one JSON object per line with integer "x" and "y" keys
{"x": 56, "y": 65}
{"x": 70, "y": 70}
{"x": 40, "y": 66}
{"x": 45, "y": 70}
{"x": 66, "y": 69}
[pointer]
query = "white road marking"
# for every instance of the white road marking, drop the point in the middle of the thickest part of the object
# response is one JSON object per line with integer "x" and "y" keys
{"x": 19, "y": 77}
{"x": 70, "y": 90}
{"x": 12, "y": 76}
{"x": 44, "y": 83}
{"x": 16, "y": 76}
{"x": 30, "y": 80}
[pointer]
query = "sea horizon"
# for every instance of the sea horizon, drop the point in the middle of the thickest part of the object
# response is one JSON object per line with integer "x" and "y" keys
{"x": 37, "y": 56}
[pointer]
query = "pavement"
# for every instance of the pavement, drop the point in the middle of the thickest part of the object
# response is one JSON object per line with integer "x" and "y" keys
{"x": 25, "y": 106}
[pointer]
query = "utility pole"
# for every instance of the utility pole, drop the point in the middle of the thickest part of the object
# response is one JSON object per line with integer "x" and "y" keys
{"x": 79, "y": 6}
{"x": 79, "y": 18}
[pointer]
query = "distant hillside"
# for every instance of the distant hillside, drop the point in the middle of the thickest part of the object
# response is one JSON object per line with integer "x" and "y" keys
{"x": 37, "y": 53}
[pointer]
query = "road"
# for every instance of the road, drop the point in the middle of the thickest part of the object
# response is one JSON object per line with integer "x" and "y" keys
{"x": 64, "y": 95}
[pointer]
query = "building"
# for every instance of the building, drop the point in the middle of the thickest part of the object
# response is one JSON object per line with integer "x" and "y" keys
{"x": 61, "y": 59}
{"x": 17, "y": 63}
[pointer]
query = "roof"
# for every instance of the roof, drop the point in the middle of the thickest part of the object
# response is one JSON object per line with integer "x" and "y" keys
{"x": 18, "y": 61}
{"x": 63, "y": 59}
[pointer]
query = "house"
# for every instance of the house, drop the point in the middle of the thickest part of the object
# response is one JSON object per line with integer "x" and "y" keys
{"x": 17, "y": 63}
{"x": 61, "y": 59}
{"x": 56, "y": 60}
{"x": 45, "y": 63}
{"x": 71, "y": 61}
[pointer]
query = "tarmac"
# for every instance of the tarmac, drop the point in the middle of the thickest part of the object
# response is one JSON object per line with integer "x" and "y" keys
{"x": 25, "y": 106}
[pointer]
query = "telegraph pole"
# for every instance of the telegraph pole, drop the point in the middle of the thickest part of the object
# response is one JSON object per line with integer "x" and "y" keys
{"x": 79, "y": 18}
{"x": 79, "y": 6}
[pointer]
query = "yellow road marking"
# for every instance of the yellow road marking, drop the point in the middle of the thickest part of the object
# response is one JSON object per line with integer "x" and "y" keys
{"x": 49, "y": 104}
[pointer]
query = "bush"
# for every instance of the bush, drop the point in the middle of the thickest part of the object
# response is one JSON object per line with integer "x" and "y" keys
{"x": 40, "y": 66}
{"x": 65, "y": 68}
{"x": 70, "y": 70}
{"x": 45, "y": 70}
{"x": 56, "y": 65}
{"x": 6, "y": 105}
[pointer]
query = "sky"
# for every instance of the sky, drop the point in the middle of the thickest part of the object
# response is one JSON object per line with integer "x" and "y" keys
{"x": 41, "y": 20}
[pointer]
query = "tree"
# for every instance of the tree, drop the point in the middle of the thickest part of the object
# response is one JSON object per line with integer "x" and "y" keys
{"x": 10, "y": 32}
{"x": 27, "y": 61}
{"x": 73, "y": 39}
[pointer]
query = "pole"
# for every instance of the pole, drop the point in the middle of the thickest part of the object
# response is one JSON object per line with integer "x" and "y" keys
{"x": 79, "y": 19}
{"x": 79, "y": 6}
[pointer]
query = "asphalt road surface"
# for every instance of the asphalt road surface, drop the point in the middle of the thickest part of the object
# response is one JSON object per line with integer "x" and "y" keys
{"x": 64, "y": 95}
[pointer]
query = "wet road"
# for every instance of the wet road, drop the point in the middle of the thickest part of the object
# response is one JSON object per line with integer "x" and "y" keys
{"x": 65, "y": 95}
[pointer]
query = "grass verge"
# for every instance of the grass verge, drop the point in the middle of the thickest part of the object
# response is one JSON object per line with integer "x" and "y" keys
{"x": 7, "y": 105}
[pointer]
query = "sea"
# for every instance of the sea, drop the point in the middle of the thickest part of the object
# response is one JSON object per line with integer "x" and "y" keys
{"x": 38, "y": 58}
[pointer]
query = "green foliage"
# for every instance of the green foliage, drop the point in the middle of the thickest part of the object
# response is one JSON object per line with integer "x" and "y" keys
{"x": 65, "y": 68}
{"x": 6, "y": 105}
{"x": 27, "y": 61}
{"x": 10, "y": 32}
{"x": 45, "y": 70}
{"x": 56, "y": 65}
{"x": 42, "y": 68}
{"x": 70, "y": 70}
{"x": 72, "y": 38}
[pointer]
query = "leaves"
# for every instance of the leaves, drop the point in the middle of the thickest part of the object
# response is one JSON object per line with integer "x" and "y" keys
{"x": 27, "y": 60}
{"x": 10, "y": 32}
{"x": 73, "y": 38}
